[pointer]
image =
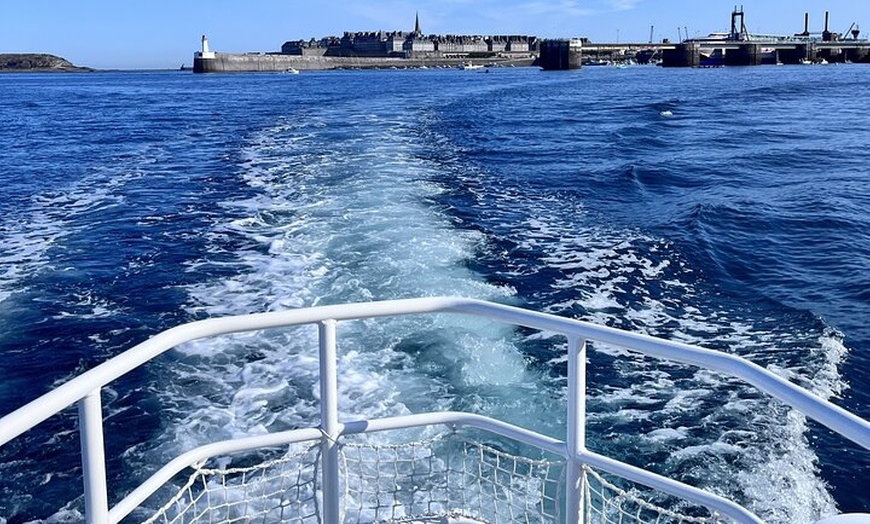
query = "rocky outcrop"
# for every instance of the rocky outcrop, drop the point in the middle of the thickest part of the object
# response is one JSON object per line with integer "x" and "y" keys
{"x": 36, "y": 62}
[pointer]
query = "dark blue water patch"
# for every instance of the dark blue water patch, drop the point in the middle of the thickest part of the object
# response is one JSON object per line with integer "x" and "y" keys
{"x": 115, "y": 275}
{"x": 792, "y": 244}
{"x": 52, "y": 451}
{"x": 26, "y": 497}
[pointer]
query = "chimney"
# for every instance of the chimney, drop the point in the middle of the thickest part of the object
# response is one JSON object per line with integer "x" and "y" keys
{"x": 827, "y": 36}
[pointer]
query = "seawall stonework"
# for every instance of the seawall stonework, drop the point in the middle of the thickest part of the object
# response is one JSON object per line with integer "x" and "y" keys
{"x": 238, "y": 63}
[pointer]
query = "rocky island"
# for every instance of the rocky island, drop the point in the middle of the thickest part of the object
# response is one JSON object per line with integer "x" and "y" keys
{"x": 24, "y": 62}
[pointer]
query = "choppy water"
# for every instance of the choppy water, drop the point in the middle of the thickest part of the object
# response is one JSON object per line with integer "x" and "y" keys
{"x": 724, "y": 207}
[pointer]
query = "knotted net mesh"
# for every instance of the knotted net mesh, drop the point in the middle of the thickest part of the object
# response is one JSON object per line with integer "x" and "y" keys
{"x": 452, "y": 478}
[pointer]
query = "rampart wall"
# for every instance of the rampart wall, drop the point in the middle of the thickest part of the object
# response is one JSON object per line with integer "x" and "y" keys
{"x": 239, "y": 63}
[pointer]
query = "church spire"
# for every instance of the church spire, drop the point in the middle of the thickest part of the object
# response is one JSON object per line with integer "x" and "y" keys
{"x": 417, "y": 24}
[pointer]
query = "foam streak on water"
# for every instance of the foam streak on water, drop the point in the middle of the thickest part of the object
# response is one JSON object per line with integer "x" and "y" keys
{"x": 695, "y": 425}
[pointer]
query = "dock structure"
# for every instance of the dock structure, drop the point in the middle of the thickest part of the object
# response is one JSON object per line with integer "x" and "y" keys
{"x": 698, "y": 53}
{"x": 694, "y": 54}
{"x": 739, "y": 47}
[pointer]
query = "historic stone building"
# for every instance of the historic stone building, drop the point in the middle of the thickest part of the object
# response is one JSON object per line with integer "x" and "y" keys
{"x": 410, "y": 45}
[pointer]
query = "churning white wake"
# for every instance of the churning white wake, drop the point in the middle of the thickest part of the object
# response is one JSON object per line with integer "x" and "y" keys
{"x": 332, "y": 216}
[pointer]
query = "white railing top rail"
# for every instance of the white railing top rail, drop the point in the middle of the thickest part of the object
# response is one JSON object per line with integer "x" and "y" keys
{"x": 821, "y": 410}
{"x": 85, "y": 390}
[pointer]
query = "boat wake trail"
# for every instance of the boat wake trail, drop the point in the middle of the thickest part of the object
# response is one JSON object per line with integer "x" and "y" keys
{"x": 333, "y": 217}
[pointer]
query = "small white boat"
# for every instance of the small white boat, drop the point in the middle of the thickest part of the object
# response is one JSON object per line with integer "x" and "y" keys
{"x": 467, "y": 66}
{"x": 291, "y": 71}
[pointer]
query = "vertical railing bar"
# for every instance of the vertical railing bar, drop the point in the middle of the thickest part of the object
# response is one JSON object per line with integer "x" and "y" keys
{"x": 329, "y": 420}
{"x": 93, "y": 458}
{"x": 576, "y": 437}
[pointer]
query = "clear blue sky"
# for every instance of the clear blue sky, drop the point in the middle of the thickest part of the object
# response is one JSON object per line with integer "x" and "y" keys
{"x": 131, "y": 34}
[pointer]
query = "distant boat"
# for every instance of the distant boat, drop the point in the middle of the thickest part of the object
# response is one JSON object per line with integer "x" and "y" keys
{"x": 711, "y": 57}
{"x": 291, "y": 71}
{"x": 597, "y": 63}
{"x": 469, "y": 66}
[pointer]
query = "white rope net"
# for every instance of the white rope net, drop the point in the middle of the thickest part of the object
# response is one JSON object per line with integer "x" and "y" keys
{"x": 276, "y": 490}
{"x": 449, "y": 477}
{"x": 608, "y": 503}
{"x": 446, "y": 479}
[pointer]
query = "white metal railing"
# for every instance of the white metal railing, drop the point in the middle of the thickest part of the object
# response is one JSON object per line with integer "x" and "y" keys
{"x": 86, "y": 388}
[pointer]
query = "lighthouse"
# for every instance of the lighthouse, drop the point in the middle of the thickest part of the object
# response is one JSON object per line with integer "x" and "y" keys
{"x": 203, "y": 60}
{"x": 205, "y": 52}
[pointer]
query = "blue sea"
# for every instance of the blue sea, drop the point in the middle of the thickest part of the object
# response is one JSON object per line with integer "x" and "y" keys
{"x": 727, "y": 207}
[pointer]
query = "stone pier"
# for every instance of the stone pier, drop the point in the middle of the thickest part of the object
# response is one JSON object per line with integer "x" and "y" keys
{"x": 682, "y": 55}
{"x": 745, "y": 55}
{"x": 798, "y": 53}
{"x": 561, "y": 54}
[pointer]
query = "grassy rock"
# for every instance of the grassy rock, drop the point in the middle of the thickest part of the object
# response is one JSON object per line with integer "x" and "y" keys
{"x": 36, "y": 62}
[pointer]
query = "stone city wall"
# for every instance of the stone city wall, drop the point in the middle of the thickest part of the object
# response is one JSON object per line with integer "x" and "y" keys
{"x": 239, "y": 63}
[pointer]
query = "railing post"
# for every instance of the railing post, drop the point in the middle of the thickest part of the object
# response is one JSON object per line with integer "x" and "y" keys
{"x": 329, "y": 420}
{"x": 93, "y": 458}
{"x": 576, "y": 438}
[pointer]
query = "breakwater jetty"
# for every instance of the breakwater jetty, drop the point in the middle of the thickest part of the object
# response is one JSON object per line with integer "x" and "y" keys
{"x": 376, "y": 50}
{"x": 268, "y": 62}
